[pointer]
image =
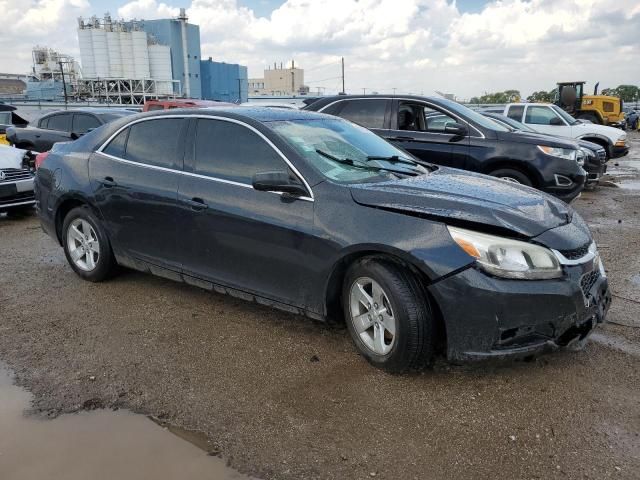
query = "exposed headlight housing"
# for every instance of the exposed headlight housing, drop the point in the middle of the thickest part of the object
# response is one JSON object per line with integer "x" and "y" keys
{"x": 566, "y": 153}
{"x": 507, "y": 258}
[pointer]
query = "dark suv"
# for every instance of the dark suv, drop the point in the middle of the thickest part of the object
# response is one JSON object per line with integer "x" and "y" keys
{"x": 447, "y": 133}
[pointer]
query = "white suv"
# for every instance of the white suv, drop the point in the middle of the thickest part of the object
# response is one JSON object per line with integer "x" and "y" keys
{"x": 552, "y": 120}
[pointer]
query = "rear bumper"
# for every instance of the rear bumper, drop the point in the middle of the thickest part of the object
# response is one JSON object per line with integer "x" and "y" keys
{"x": 487, "y": 317}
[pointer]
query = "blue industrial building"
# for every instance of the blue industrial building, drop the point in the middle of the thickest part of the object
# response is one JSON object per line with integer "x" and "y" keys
{"x": 227, "y": 82}
{"x": 169, "y": 32}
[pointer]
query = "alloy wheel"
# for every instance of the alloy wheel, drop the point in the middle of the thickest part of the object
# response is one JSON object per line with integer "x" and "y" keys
{"x": 372, "y": 316}
{"x": 83, "y": 245}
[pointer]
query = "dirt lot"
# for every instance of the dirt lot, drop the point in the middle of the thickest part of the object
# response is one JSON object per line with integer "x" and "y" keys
{"x": 282, "y": 397}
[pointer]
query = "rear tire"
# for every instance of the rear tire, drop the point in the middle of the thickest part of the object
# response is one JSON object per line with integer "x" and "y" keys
{"x": 513, "y": 176}
{"x": 388, "y": 315}
{"x": 87, "y": 246}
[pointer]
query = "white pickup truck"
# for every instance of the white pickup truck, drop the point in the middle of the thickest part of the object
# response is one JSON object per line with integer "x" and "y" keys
{"x": 552, "y": 120}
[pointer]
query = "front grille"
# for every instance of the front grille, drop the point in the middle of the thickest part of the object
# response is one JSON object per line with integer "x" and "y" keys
{"x": 14, "y": 174}
{"x": 576, "y": 253}
{"x": 602, "y": 155}
{"x": 20, "y": 197}
{"x": 588, "y": 280}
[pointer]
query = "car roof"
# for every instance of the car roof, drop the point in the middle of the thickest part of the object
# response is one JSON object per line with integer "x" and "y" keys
{"x": 260, "y": 114}
{"x": 96, "y": 111}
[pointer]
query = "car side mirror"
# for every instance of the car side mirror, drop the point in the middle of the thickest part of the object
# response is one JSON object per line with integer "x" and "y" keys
{"x": 277, "y": 181}
{"x": 556, "y": 121}
{"x": 455, "y": 128}
{"x": 74, "y": 136}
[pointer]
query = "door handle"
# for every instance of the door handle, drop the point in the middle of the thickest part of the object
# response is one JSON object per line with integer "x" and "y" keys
{"x": 109, "y": 182}
{"x": 402, "y": 139}
{"x": 197, "y": 204}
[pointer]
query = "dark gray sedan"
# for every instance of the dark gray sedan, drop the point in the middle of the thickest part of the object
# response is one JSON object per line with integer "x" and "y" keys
{"x": 316, "y": 215}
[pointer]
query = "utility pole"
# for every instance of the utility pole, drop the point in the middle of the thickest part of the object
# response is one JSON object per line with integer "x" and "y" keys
{"x": 364, "y": 91}
{"x": 394, "y": 91}
{"x": 343, "y": 90}
{"x": 64, "y": 85}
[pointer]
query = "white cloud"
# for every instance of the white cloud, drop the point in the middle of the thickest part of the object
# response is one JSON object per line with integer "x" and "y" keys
{"x": 410, "y": 45}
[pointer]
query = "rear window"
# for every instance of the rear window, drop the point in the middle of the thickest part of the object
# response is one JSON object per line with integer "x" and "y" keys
{"x": 82, "y": 123}
{"x": 515, "y": 112}
{"x": 368, "y": 113}
{"x": 116, "y": 146}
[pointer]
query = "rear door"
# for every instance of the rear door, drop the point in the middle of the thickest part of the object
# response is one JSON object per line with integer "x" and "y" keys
{"x": 371, "y": 113}
{"x": 418, "y": 127}
{"x": 135, "y": 180}
{"x": 58, "y": 129}
{"x": 237, "y": 236}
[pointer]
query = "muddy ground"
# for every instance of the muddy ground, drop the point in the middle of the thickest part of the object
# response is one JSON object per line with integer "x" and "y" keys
{"x": 282, "y": 397}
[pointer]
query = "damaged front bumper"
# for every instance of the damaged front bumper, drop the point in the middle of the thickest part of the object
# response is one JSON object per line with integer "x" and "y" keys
{"x": 489, "y": 317}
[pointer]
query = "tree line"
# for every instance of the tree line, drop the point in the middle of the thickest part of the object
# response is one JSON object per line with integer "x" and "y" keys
{"x": 628, "y": 93}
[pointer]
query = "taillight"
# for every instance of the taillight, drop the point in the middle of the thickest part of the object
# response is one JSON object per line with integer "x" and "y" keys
{"x": 40, "y": 158}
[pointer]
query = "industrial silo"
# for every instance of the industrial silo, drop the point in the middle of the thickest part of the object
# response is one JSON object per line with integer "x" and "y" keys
{"x": 115, "y": 57}
{"x": 86, "y": 53}
{"x": 100, "y": 52}
{"x": 160, "y": 68}
{"x": 140, "y": 54}
{"x": 126, "y": 53}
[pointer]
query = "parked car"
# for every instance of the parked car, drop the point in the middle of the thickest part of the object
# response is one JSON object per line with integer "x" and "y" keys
{"x": 631, "y": 119}
{"x": 553, "y": 120}
{"x": 16, "y": 181}
{"x": 152, "y": 105}
{"x": 9, "y": 118}
{"x": 592, "y": 157}
{"x": 316, "y": 215}
{"x": 62, "y": 126}
{"x": 446, "y": 133}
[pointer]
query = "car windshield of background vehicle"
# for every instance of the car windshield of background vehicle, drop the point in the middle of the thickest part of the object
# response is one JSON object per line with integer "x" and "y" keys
{"x": 344, "y": 140}
{"x": 567, "y": 118}
{"x": 473, "y": 116}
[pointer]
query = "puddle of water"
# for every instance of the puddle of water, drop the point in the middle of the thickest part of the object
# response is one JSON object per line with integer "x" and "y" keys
{"x": 98, "y": 445}
{"x": 634, "y": 185}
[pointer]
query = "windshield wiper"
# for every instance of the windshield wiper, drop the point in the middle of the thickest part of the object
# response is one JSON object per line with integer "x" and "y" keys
{"x": 392, "y": 159}
{"x": 363, "y": 165}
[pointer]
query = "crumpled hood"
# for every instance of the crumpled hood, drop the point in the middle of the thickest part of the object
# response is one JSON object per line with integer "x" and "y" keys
{"x": 11, "y": 157}
{"x": 457, "y": 195}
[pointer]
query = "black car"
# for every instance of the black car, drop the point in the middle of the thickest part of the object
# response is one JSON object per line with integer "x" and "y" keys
{"x": 447, "y": 133}
{"x": 592, "y": 157}
{"x": 317, "y": 215}
{"x": 62, "y": 126}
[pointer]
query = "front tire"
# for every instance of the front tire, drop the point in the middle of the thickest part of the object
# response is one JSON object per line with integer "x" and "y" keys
{"x": 388, "y": 315}
{"x": 513, "y": 176}
{"x": 86, "y": 245}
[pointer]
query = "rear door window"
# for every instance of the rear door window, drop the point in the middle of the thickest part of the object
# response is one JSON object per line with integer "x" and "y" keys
{"x": 233, "y": 152}
{"x": 368, "y": 113}
{"x": 156, "y": 142}
{"x": 61, "y": 122}
{"x": 515, "y": 112}
{"x": 117, "y": 146}
{"x": 82, "y": 123}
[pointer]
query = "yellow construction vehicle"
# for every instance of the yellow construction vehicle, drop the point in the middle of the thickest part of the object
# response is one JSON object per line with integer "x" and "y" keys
{"x": 601, "y": 109}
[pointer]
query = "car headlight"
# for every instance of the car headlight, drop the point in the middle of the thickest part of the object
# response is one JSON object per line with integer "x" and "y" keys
{"x": 581, "y": 156}
{"x": 566, "y": 153}
{"x": 621, "y": 141}
{"x": 507, "y": 258}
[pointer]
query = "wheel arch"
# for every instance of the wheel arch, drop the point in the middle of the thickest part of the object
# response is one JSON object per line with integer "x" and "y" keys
{"x": 520, "y": 166}
{"x": 601, "y": 140}
{"x": 65, "y": 205}
{"x": 335, "y": 281}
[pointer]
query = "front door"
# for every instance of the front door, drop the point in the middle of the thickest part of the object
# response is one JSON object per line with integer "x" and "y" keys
{"x": 544, "y": 119}
{"x": 236, "y": 236}
{"x": 135, "y": 181}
